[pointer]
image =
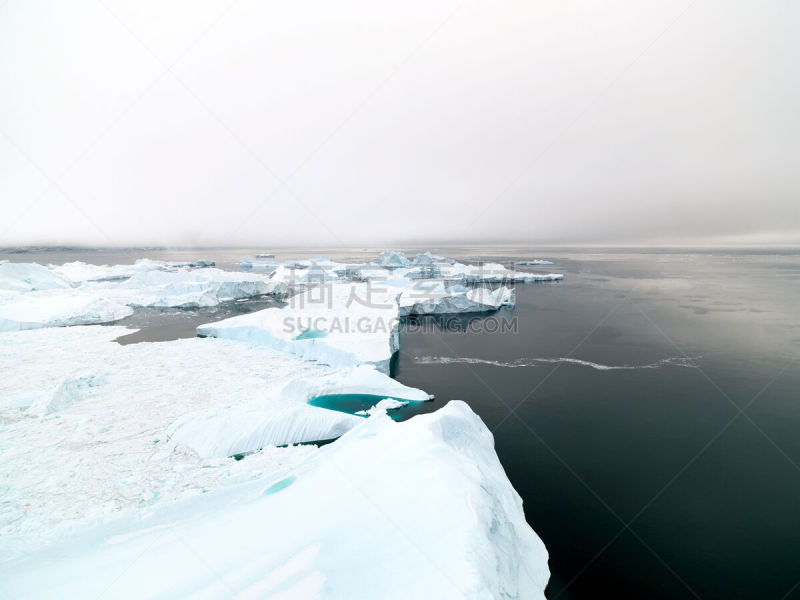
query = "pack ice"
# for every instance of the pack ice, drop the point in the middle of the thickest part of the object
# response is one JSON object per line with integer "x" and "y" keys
{"x": 418, "y": 509}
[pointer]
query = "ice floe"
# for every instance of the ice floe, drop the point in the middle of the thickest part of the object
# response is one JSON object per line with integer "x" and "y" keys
{"x": 79, "y": 272}
{"x": 427, "y": 496}
{"x": 206, "y": 287}
{"x": 492, "y": 273}
{"x": 32, "y": 312}
{"x": 341, "y": 324}
{"x": 25, "y": 277}
{"x": 437, "y": 298}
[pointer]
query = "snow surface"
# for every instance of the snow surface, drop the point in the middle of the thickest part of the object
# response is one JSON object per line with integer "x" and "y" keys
{"x": 284, "y": 415}
{"x": 27, "y": 311}
{"x": 84, "y": 420}
{"x": 418, "y": 509}
{"x": 352, "y": 324}
{"x": 25, "y": 277}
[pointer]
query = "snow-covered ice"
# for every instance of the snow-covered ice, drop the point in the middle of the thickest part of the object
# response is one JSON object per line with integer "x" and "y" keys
{"x": 105, "y": 448}
{"x": 341, "y": 324}
{"x": 32, "y": 312}
{"x": 436, "y": 298}
{"x": 25, "y": 277}
{"x": 418, "y": 509}
{"x": 283, "y": 416}
{"x": 206, "y": 287}
{"x": 492, "y": 273}
{"x": 79, "y": 272}
{"x": 84, "y": 420}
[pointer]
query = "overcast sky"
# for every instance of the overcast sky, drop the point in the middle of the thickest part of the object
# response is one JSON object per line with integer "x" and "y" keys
{"x": 353, "y": 122}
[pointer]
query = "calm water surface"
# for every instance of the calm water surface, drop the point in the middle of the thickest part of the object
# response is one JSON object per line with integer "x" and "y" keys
{"x": 676, "y": 476}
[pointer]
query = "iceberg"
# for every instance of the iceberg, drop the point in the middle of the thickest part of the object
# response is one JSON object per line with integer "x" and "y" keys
{"x": 428, "y": 494}
{"x": 492, "y": 273}
{"x": 393, "y": 259}
{"x": 439, "y": 299}
{"x": 33, "y": 312}
{"x": 353, "y": 324}
{"x": 80, "y": 272}
{"x": 249, "y": 263}
{"x": 206, "y": 287}
{"x": 426, "y": 258}
{"x": 535, "y": 261}
{"x": 26, "y": 277}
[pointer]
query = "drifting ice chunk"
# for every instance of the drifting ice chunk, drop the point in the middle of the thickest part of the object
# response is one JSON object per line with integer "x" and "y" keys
{"x": 383, "y": 406}
{"x": 79, "y": 272}
{"x": 206, "y": 287}
{"x": 359, "y": 323}
{"x": 265, "y": 255}
{"x": 435, "y": 298}
{"x": 426, "y": 258}
{"x": 31, "y": 312}
{"x": 393, "y": 259}
{"x": 292, "y": 277}
{"x": 535, "y": 261}
{"x": 492, "y": 273}
{"x": 249, "y": 263}
{"x": 25, "y": 277}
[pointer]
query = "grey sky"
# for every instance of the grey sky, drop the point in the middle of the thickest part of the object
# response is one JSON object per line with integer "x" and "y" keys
{"x": 362, "y": 122}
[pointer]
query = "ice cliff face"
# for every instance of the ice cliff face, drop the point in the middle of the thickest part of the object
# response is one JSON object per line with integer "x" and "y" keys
{"x": 426, "y": 497}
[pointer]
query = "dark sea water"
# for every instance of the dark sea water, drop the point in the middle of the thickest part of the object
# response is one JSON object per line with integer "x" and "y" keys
{"x": 662, "y": 458}
{"x": 669, "y": 481}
